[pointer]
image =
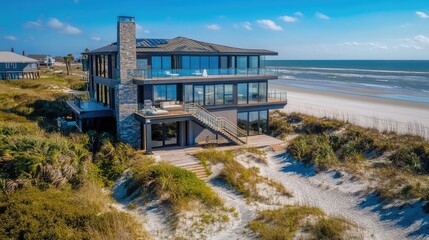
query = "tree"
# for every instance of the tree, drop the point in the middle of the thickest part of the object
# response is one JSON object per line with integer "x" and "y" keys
{"x": 68, "y": 59}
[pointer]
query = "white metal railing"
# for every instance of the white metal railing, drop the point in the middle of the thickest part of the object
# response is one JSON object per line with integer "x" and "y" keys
{"x": 178, "y": 73}
{"x": 217, "y": 123}
{"x": 276, "y": 95}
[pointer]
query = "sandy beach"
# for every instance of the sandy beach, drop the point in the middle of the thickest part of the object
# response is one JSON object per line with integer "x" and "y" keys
{"x": 381, "y": 113}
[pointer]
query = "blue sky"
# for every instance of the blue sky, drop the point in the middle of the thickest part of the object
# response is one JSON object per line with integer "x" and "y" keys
{"x": 297, "y": 29}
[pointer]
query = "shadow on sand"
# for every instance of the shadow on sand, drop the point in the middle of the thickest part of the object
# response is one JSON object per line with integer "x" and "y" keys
{"x": 293, "y": 166}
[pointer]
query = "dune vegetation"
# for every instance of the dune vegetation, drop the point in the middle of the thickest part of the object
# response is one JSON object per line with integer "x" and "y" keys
{"x": 398, "y": 163}
{"x": 244, "y": 180}
{"x": 301, "y": 222}
{"x": 51, "y": 182}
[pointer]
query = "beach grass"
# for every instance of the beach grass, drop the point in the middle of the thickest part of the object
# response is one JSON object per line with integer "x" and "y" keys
{"x": 399, "y": 162}
{"x": 292, "y": 221}
{"x": 244, "y": 180}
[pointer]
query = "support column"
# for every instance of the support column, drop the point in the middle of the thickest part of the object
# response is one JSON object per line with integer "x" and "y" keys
{"x": 148, "y": 137}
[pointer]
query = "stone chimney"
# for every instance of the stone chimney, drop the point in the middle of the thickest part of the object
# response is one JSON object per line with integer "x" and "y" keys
{"x": 128, "y": 128}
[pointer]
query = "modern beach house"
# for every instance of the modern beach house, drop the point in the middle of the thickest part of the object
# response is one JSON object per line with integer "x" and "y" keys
{"x": 154, "y": 93}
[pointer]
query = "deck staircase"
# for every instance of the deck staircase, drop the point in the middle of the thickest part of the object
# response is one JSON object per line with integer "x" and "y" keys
{"x": 182, "y": 158}
{"x": 219, "y": 125}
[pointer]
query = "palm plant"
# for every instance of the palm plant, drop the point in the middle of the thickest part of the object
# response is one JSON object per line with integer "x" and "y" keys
{"x": 68, "y": 59}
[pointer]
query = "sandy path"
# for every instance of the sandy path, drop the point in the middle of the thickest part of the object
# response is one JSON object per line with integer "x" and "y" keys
{"x": 334, "y": 195}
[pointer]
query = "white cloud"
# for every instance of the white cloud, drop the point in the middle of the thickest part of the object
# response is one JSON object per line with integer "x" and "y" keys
{"x": 247, "y": 25}
{"x": 214, "y": 27}
{"x": 369, "y": 45}
{"x": 33, "y": 24}
{"x": 410, "y": 46}
{"x": 422, "y": 39}
{"x": 298, "y": 14}
{"x": 63, "y": 27}
{"x": 97, "y": 39}
{"x": 322, "y": 16}
{"x": 289, "y": 19}
{"x": 10, "y": 38}
{"x": 139, "y": 27}
{"x": 268, "y": 24}
{"x": 422, "y": 14}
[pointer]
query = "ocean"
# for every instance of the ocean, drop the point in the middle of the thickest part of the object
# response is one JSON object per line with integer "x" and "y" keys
{"x": 392, "y": 79}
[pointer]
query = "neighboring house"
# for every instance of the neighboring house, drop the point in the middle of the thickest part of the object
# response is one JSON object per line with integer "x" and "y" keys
{"x": 15, "y": 66}
{"x": 44, "y": 59}
{"x": 160, "y": 92}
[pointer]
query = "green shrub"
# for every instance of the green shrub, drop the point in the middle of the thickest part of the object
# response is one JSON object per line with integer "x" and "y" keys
{"x": 174, "y": 185}
{"x": 282, "y": 223}
{"x": 332, "y": 228}
{"x": 406, "y": 157}
{"x": 54, "y": 214}
{"x": 313, "y": 149}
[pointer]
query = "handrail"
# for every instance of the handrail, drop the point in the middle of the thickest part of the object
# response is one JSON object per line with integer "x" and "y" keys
{"x": 200, "y": 72}
{"x": 218, "y": 123}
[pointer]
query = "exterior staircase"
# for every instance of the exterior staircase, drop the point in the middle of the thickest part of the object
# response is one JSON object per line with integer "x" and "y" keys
{"x": 219, "y": 125}
{"x": 184, "y": 159}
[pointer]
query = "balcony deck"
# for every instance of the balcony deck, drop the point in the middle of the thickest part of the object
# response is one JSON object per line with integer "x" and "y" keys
{"x": 212, "y": 75}
{"x": 89, "y": 109}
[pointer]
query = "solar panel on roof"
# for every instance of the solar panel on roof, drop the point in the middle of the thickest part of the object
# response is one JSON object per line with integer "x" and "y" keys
{"x": 150, "y": 43}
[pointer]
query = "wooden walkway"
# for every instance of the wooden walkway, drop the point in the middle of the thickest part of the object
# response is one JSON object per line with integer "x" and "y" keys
{"x": 184, "y": 158}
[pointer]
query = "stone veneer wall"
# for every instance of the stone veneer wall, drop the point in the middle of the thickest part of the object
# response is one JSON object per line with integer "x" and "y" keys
{"x": 128, "y": 128}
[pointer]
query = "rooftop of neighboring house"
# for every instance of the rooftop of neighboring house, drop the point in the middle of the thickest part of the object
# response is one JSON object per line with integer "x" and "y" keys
{"x": 39, "y": 56}
{"x": 11, "y": 57}
{"x": 182, "y": 45}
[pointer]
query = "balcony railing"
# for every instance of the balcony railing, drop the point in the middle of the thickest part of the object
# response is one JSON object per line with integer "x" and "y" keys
{"x": 275, "y": 95}
{"x": 200, "y": 73}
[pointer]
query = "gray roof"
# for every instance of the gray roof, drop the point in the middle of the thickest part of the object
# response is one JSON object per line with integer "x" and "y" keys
{"x": 39, "y": 56}
{"x": 10, "y": 57}
{"x": 182, "y": 45}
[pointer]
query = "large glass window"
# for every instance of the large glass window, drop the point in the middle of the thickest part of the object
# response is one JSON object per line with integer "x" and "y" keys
{"x": 232, "y": 62}
{"x": 164, "y": 134}
{"x": 253, "y": 62}
{"x": 209, "y": 94}
{"x": 156, "y": 62}
{"x": 205, "y": 62}
{"x": 262, "y": 92}
{"x": 189, "y": 94}
{"x": 186, "y": 62}
{"x": 229, "y": 99}
{"x": 164, "y": 93}
{"x": 166, "y": 62}
{"x": 195, "y": 62}
{"x": 242, "y": 93}
{"x": 199, "y": 95}
{"x": 214, "y": 62}
{"x": 219, "y": 97}
{"x": 242, "y": 62}
{"x": 242, "y": 120}
{"x": 253, "y": 123}
{"x": 253, "y": 92}
{"x": 263, "y": 122}
{"x": 141, "y": 63}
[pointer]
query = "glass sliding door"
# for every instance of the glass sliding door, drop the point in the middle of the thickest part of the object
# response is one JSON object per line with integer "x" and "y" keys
{"x": 253, "y": 92}
{"x": 199, "y": 94}
{"x": 170, "y": 133}
{"x": 228, "y": 92}
{"x": 209, "y": 95}
{"x": 189, "y": 93}
{"x": 253, "y": 123}
{"x": 262, "y": 92}
{"x": 157, "y": 138}
{"x": 242, "y": 121}
{"x": 263, "y": 122}
{"x": 164, "y": 93}
{"x": 164, "y": 134}
{"x": 219, "y": 94}
{"x": 242, "y": 93}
